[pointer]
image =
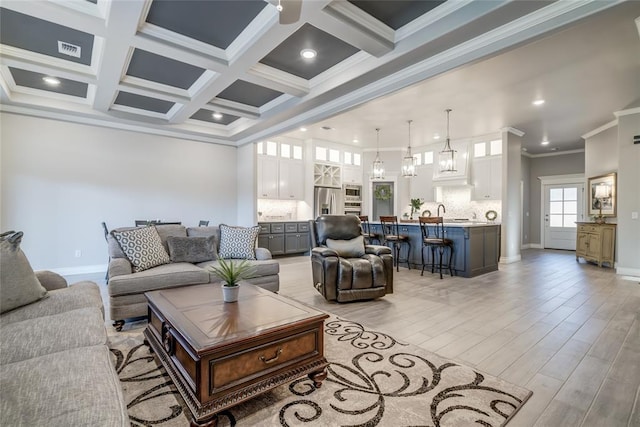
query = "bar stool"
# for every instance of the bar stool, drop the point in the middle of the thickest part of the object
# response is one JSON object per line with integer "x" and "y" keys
{"x": 366, "y": 231}
{"x": 432, "y": 229}
{"x": 390, "y": 233}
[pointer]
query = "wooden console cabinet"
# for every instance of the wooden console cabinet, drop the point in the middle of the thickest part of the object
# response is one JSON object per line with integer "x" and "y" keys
{"x": 596, "y": 242}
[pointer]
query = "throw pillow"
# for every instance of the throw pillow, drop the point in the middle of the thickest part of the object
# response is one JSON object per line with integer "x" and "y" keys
{"x": 143, "y": 247}
{"x": 192, "y": 249}
{"x": 353, "y": 248}
{"x": 19, "y": 284}
{"x": 238, "y": 242}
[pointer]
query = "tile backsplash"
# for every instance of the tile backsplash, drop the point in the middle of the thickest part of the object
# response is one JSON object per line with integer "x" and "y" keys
{"x": 277, "y": 210}
{"x": 458, "y": 203}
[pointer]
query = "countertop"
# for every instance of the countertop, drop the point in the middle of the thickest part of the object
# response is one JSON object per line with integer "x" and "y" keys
{"x": 460, "y": 224}
{"x": 281, "y": 220}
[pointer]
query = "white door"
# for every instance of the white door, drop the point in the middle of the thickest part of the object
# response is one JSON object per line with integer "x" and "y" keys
{"x": 563, "y": 206}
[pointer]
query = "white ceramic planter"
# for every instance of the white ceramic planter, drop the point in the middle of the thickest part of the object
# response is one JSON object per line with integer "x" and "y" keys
{"x": 230, "y": 293}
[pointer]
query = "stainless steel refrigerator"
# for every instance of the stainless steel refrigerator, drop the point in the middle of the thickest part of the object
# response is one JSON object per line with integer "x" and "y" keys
{"x": 327, "y": 201}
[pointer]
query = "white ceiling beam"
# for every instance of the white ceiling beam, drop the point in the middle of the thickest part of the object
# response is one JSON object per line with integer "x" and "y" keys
{"x": 279, "y": 80}
{"x": 123, "y": 23}
{"x": 267, "y": 36}
{"x": 356, "y": 27}
{"x": 59, "y": 14}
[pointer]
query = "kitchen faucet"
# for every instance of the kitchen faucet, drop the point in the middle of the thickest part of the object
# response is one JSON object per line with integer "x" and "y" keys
{"x": 443, "y": 209}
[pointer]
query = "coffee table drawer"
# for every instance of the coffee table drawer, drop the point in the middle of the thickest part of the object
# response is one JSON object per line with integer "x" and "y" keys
{"x": 252, "y": 362}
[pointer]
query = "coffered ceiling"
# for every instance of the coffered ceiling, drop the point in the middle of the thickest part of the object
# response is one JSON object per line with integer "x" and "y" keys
{"x": 167, "y": 66}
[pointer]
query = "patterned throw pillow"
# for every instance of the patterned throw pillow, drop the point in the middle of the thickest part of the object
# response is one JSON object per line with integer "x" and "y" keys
{"x": 143, "y": 247}
{"x": 238, "y": 242}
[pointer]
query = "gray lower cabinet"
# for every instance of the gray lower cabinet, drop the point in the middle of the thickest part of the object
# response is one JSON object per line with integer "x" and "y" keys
{"x": 284, "y": 238}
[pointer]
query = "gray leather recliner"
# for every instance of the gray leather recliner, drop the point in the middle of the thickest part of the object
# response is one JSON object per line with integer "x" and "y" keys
{"x": 343, "y": 279}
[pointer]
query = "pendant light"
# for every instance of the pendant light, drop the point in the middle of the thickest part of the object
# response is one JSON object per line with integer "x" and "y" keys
{"x": 447, "y": 157}
{"x": 377, "y": 169}
{"x": 409, "y": 162}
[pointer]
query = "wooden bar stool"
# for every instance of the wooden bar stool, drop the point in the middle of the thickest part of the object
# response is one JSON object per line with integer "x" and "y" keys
{"x": 391, "y": 235}
{"x": 369, "y": 237}
{"x": 432, "y": 229}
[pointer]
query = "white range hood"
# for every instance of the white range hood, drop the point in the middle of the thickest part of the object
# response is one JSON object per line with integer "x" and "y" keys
{"x": 458, "y": 178}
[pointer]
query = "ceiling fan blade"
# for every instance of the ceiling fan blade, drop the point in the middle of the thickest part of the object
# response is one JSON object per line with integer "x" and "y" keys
{"x": 290, "y": 11}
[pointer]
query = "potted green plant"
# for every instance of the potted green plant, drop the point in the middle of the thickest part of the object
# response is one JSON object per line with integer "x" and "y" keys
{"x": 231, "y": 273}
{"x": 415, "y": 204}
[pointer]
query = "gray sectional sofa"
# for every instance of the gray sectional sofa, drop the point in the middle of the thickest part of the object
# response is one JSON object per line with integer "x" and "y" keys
{"x": 55, "y": 366}
{"x": 127, "y": 287}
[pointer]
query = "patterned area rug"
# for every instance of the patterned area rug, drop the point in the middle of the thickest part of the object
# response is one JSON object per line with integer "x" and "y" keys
{"x": 374, "y": 380}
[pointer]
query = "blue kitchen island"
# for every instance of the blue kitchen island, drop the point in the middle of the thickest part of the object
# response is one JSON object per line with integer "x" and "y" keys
{"x": 476, "y": 245}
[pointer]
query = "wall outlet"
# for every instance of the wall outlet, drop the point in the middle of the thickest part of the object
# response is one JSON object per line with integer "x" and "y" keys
{"x": 78, "y": 253}
{"x": 634, "y": 215}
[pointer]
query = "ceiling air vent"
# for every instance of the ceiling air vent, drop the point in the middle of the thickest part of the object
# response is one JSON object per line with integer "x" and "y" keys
{"x": 327, "y": 128}
{"x": 69, "y": 49}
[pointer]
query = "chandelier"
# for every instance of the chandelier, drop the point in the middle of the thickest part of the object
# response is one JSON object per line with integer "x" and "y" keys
{"x": 447, "y": 157}
{"x": 377, "y": 169}
{"x": 408, "y": 168}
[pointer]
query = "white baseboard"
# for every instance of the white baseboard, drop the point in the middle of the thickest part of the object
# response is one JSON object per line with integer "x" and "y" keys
{"x": 531, "y": 246}
{"x": 85, "y": 269}
{"x": 628, "y": 271}
{"x": 509, "y": 260}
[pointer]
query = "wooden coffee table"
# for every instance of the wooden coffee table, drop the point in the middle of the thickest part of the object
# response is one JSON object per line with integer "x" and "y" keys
{"x": 220, "y": 354}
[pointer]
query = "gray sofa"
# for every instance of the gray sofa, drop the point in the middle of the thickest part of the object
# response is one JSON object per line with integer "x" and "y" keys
{"x": 55, "y": 366}
{"x": 127, "y": 288}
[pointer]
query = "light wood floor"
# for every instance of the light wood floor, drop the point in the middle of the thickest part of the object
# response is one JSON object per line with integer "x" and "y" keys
{"x": 568, "y": 331}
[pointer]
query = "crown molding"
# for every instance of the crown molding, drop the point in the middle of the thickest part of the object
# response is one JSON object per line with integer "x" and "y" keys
{"x": 627, "y": 112}
{"x": 555, "y": 153}
{"x": 516, "y": 132}
{"x": 600, "y": 129}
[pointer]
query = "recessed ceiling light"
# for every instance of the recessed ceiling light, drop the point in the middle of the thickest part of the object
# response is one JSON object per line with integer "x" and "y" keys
{"x": 303, "y": 129}
{"x": 436, "y": 136}
{"x": 355, "y": 140}
{"x": 545, "y": 142}
{"x": 554, "y": 149}
{"x": 538, "y": 102}
{"x": 308, "y": 53}
{"x": 217, "y": 115}
{"x": 51, "y": 81}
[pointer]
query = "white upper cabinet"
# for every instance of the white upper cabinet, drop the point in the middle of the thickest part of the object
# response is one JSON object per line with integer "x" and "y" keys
{"x": 280, "y": 171}
{"x": 352, "y": 175}
{"x": 267, "y": 177}
{"x": 487, "y": 178}
{"x": 291, "y": 180}
{"x": 422, "y": 184}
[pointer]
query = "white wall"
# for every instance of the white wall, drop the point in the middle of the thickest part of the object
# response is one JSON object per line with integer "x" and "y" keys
{"x": 628, "y": 197}
{"x": 601, "y": 153}
{"x": 510, "y": 234}
{"x": 246, "y": 185}
{"x": 60, "y": 180}
{"x": 525, "y": 164}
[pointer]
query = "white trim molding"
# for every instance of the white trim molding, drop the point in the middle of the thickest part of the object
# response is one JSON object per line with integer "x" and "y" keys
{"x": 602, "y": 128}
{"x": 562, "y": 179}
{"x": 85, "y": 269}
{"x": 635, "y": 272}
{"x": 627, "y": 112}
{"x": 510, "y": 260}
{"x": 516, "y": 132}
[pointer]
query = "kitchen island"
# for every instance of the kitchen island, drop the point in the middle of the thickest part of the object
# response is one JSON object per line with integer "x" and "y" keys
{"x": 476, "y": 245}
